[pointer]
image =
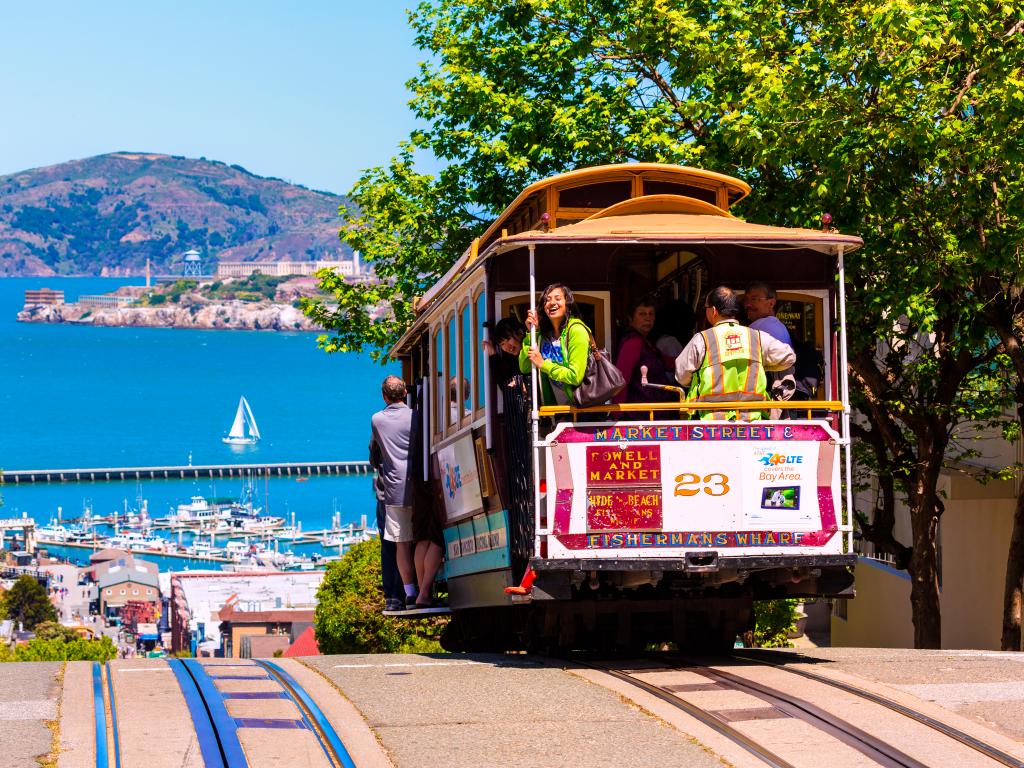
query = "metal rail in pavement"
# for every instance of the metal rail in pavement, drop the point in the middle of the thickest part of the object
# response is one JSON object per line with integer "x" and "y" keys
{"x": 217, "y": 731}
{"x": 954, "y": 733}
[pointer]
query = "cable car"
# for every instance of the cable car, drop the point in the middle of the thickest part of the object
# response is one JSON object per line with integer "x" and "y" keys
{"x": 626, "y": 524}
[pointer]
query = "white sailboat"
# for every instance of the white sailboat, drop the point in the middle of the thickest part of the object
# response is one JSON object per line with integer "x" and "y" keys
{"x": 244, "y": 422}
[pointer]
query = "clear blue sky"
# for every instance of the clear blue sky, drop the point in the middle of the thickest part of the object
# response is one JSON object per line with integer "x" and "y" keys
{"x": 310, "y": 91}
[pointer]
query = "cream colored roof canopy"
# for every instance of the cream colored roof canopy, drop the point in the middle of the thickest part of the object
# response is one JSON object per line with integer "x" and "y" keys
{"x": 682, "y": 220}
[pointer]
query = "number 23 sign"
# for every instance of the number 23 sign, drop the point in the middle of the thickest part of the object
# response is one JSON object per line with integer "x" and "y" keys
{"x": 690, "y": 484}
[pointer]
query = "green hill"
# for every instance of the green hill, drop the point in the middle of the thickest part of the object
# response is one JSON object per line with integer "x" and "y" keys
{"x": 108, "y": 214}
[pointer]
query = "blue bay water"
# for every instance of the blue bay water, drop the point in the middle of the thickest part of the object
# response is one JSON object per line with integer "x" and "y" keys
{"x": 77, "y": 396}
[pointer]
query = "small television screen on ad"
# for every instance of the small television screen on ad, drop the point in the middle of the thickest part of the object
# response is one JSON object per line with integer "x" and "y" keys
{"x": 781, "y": 497}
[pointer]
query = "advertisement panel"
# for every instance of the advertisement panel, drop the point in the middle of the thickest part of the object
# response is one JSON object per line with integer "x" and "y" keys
{"x": 460, "y": 479}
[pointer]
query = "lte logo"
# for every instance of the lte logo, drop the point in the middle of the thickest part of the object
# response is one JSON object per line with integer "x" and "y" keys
{"x": 777, "y": 458}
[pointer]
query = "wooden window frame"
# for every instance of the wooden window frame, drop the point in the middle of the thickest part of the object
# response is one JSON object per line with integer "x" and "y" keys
{"x": 437, "y": 372}
{"x": 465, "y": 372}
{"x": 451, "y": 325}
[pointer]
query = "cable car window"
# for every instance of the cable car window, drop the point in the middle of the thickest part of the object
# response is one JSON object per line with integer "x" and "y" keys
{"x": 481, "y": 359}
{"x": 466, "y": 334}
{"x": 452, "y": 373}
{"x": 655, "y": 187}
{"x": 595, "y": 195}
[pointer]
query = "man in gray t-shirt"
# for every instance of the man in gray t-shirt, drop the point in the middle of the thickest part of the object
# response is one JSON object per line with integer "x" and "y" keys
{"x": 392, "y": 434}
{"x": 759, "y": 301}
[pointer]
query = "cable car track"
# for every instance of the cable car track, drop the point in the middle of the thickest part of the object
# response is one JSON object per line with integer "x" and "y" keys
{"x": 954, "y": 733}
{"x": 874, "y": 748}
{"x": 707, "y": 717}
{"x": 329, "y": 740}
{"x": 103, "y": 724}
{"x": 216, "y": 728}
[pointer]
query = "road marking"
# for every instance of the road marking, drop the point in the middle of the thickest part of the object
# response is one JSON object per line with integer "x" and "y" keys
{"x": 412, "y": 664}
{"x": 966, "y": 693}
{"x": 1010, "y": 655}
{"x": 33, "y": 709}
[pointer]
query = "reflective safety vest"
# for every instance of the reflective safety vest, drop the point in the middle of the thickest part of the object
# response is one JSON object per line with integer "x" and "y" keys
{"x": 732, "y": 371}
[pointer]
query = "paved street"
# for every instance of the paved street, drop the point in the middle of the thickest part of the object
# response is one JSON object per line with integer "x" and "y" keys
{"x": 479, "y": 710}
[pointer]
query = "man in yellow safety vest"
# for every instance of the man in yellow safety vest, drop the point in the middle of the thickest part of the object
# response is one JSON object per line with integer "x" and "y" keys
{"x": 727, "y": 362}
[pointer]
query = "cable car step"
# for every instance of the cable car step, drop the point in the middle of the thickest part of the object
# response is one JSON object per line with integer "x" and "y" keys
{"x": 434, "y": 610}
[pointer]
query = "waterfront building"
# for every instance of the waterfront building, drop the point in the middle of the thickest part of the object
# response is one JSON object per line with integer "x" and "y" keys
{"x": 242, "y": 630}
{"x": 101, "y": 569}
{"x": 108, "y": 555}
{"x": 44, "y": 296}
{"x": 105, "y": 301}
{"x": 122, "y": 583}
{"x": 197, "y": 600}
{"x": 263, "y": 646}
{"x": 284, "y": 268}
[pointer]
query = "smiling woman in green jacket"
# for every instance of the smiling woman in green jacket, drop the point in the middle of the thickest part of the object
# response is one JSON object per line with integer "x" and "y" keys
{"x": 563, "y": 345}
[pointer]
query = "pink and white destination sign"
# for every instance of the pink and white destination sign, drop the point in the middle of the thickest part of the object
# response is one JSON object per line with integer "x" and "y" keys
{"x": 704, "y": 485}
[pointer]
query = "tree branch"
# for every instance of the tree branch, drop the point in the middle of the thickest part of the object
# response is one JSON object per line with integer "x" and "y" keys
{"x": 960, "y": 96}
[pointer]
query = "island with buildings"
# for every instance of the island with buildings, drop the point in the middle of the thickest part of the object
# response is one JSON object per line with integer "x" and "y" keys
{"x": 249, "y": 295}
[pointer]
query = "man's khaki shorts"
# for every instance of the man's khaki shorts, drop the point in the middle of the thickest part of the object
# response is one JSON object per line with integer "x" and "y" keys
{"x": 398, "y": 523}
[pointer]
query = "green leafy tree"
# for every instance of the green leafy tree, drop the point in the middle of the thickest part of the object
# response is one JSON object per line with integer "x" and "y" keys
{"x": 28, "y": 603}
{"x": 902, "y": 118}
{"x": 348, "y": 613}
{"x": 52, "y": 630}
{"x": 773, "y": 621}
{"x": 58, "y": 649}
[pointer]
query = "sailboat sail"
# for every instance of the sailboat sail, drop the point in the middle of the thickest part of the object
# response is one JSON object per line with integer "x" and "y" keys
{"x": 238, "y": 427}
{"x": 254, "y": 431}
{"x": 243, "y": 419}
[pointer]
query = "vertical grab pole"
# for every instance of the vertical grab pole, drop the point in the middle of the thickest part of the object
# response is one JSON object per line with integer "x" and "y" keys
{"x": 489, "y": 400}
{"x": 534, "y": 415}
{"x": 844, "y": 389}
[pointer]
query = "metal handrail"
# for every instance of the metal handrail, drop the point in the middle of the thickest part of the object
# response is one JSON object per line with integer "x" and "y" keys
{"x": 834, "y": 406}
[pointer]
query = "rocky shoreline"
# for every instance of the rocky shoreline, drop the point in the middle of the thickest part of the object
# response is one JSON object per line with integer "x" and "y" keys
{"x": 230, "y": 315}
{"x": 247, "y": 304}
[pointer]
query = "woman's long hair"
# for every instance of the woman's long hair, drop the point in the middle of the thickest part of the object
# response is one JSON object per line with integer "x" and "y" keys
{"x": 544, "y": 324}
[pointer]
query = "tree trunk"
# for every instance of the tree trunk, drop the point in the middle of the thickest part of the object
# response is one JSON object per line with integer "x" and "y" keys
{"x": 1012, "y": 592}
{"x": 924, "y": 573}
{"x": 1014, "y": 586}
{"x": 1003, "y": 315}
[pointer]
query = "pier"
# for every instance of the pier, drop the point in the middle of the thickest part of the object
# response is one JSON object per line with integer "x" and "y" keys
{"x": 102, "y": 474}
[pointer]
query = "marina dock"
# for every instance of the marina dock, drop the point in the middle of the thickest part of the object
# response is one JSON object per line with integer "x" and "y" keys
{"x": 283, "y": 469}
{"x": 98, "y": 545}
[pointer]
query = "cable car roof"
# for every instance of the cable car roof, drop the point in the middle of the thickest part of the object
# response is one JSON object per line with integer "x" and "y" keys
{"x": 671, "y": 219}
{"x": 648, "y": 220}
{"x": 732, "y": 190}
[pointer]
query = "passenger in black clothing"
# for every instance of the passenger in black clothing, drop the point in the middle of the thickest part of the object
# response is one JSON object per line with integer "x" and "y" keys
{"x": 513, "y": 455}
{"x": 504, "y": 359}
{"x": 673, "y": 327}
